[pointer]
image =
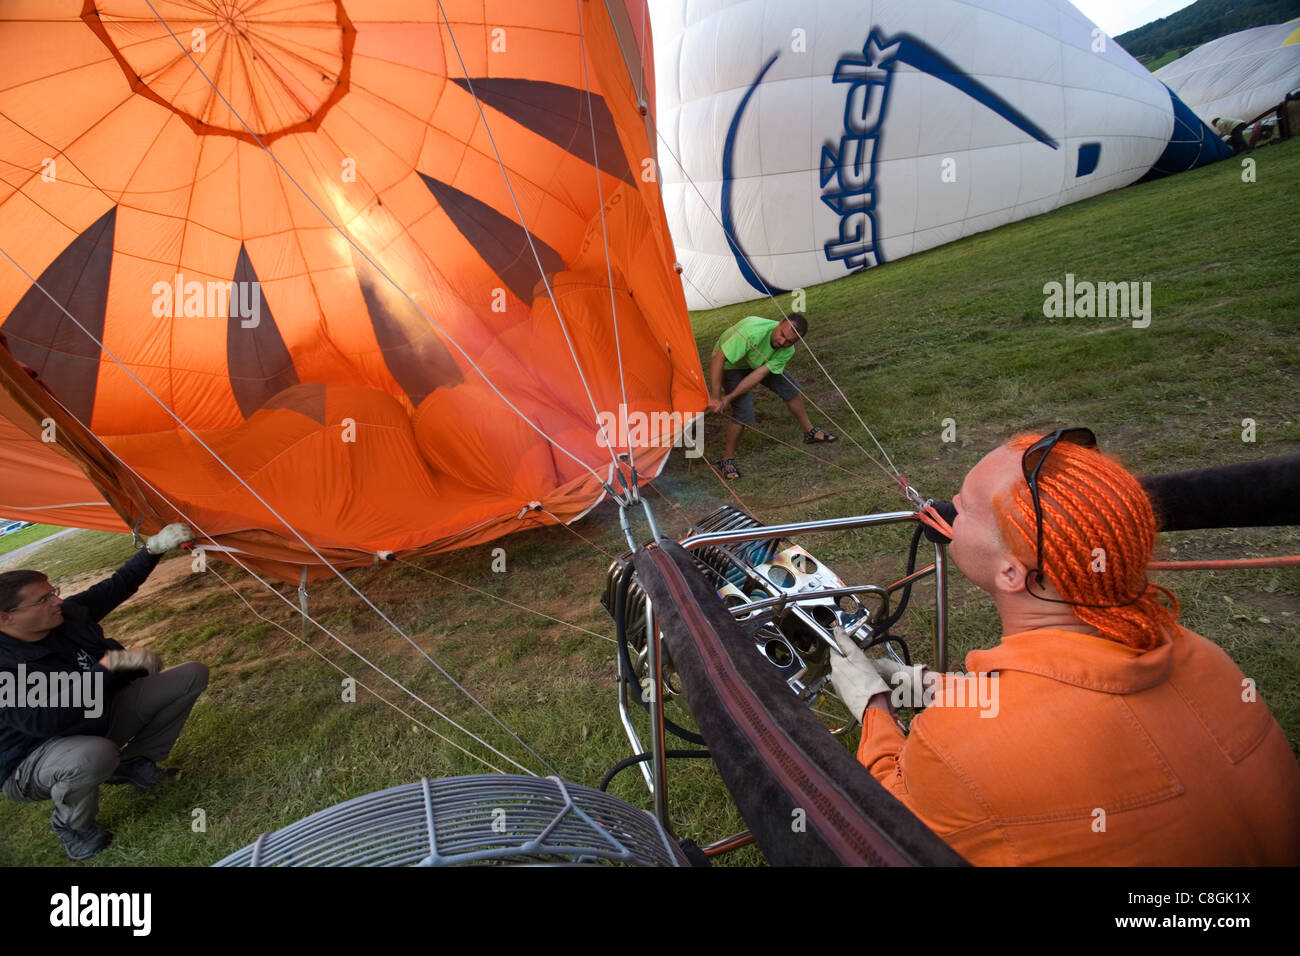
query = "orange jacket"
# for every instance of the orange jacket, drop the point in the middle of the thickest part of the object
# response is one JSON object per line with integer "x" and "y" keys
{"x": 1094, "y": 753}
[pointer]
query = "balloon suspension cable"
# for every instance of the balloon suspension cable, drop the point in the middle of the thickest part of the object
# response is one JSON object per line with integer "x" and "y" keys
{"x": 284, "y": 521}
{"x": 891, "y": 471}
{"x": 604, "y": 232}
{"x": 366, "y": 687}
{"x": 546, "y": 281}
{"x": 627, "y": 526}
{"x": 926, "y": 513}
{"x": 376, "y": 266}
{"x": 498, "y": 598}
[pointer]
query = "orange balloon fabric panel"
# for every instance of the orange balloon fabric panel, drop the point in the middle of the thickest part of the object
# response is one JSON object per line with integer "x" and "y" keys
{"x": 306, "y": 232}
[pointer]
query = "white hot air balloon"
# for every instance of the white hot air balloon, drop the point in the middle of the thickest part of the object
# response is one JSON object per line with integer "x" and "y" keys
{"x": 818, "y": 139}
{"x": 1240, "y": 75}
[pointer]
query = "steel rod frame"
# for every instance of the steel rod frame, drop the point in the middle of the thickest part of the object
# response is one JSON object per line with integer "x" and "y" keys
{"x": 655, "y": 772}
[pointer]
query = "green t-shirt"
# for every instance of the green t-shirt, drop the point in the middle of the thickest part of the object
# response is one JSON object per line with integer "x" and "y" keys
{"x": 748, "y": 344}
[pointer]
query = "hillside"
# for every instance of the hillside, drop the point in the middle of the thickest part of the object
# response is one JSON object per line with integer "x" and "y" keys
{"x": 1203, "y": 21}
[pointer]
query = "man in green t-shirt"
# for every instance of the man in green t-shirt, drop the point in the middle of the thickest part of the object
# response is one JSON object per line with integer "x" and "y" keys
{"x": 753, "y": 351}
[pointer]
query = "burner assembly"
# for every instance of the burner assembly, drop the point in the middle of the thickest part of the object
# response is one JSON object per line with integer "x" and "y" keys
{"x": 785, "y": 598}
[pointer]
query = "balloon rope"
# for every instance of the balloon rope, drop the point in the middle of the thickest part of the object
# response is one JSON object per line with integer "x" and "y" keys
{"x": 522, "y": 607}
{"x": 365, "y": 687}
{"x": 640, "y": 46}
{"x": 895, "y": 473}
{"x": 894, "y": 477}
{"x": 361, "y": 252}
{"x": 451, "y": 34}
{"x": 700, "y": 292}
{"x": 574, "y": 531}
{"x": 801, "y": 451}
{"x": 676, "y": 507}
{"x": 604, "y": 234}
{"x": 163, "y": 405}
{"x": 198, "y": 528}
{"x": 1228, "y": 564}
{"x": 929, "y": 516}
{"x": 70, "y": 504}
{"x": 892, "y": 471}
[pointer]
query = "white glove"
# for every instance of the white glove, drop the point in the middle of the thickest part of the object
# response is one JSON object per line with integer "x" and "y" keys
{"x": 172, "y": 536}
{"x": 855, "y": 680}
{"x": 908, "y": 683}
{"x": 134, "y": 659}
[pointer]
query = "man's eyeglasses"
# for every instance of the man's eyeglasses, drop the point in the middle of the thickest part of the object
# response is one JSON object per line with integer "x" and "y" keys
{"x": 41, "y": 601}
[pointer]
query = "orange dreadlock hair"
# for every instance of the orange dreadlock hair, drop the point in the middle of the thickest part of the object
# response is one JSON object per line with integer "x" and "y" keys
{"x": 1089, "y": 501}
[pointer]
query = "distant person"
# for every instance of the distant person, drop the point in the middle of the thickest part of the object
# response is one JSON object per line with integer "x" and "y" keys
{"x": 1098, "y": 732}
{"x": 1232, "y": 131}
{"x": 127, "y": 713}
{"x": 755, "y": 351}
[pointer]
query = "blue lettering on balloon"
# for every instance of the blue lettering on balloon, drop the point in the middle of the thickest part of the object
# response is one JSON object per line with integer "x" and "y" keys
{"x": 852, "y": 167}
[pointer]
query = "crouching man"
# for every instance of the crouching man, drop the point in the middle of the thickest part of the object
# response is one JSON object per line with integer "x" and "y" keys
{"x": 1098, "y": 731}
{"x": 127, "y": 713}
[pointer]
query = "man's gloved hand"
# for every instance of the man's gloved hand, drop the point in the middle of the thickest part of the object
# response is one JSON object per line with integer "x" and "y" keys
{"x": 855, "y": 680}
{"x": 907, "y": 683}
{"x": 172, "y": 536}
{"x": 134, "y": 659}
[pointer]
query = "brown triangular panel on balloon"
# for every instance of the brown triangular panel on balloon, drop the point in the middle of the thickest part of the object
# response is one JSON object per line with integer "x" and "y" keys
{"x": 257, "y": 360}
{"x": 306, "y": 398}
{"x": 499, "y": 240}
{"x": 414, "y": 353}
{"x": 558, "y": 113}
{"x": 39, "y": 333}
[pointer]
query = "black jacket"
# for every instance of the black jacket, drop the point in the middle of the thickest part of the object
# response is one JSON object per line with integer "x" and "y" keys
{"x": 76, "y": 645}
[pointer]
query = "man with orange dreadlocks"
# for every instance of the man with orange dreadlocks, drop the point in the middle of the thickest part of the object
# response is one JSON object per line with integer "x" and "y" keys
{"x": 1098, "y": 731}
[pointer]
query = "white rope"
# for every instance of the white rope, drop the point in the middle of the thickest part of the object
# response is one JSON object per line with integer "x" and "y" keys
{"x": 36, "y": 284}
{"x": 753, "y": 345}
{"x": 735, "y": 245}
{"x": 194, "y": 525}
{"x": 527, "y": 234}
{"x": 497, "y": 597}
{"x": 351, "y": 242}
{"x": 365, "y": 687}
{"x": 604, "y": 235}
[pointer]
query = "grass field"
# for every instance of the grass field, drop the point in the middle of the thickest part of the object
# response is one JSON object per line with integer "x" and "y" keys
{"x": 955, "y": 333}
{"x": 1167, "y": 57}
{"x": 19, "y": 539}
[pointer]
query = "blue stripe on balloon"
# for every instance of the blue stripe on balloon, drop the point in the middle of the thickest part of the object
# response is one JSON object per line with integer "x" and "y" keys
{"x": 917, "y": 54}
{"x": 747, "y": 271}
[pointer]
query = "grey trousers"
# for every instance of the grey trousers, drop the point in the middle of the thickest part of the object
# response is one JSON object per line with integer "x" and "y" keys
{"x": 144, "y": 721}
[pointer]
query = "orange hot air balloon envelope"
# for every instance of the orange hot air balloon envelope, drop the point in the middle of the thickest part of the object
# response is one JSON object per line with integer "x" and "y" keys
{"x": 286, "y": 224}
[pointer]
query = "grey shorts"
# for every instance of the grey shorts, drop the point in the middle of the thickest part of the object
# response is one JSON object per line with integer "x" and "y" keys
{"x": 742, "y": 409}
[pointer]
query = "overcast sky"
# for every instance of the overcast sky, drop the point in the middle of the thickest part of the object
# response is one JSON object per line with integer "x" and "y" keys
{"x": 1120, "y": 16}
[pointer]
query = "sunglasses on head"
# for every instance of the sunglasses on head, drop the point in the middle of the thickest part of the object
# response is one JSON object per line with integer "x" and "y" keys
{"x": 1031, "y": 463}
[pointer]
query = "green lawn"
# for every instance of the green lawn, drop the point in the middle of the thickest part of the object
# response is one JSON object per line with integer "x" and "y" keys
{"x": 955, "y": 333}
{"x": 1167, "y": 57}
{"x": 12, "y": 542}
